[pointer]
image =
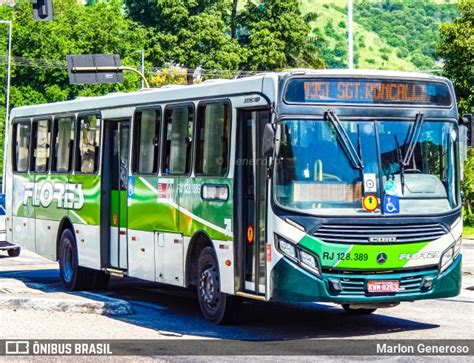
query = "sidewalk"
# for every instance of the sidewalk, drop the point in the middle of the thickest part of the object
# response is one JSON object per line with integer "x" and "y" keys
{"x": 16, "y": 294}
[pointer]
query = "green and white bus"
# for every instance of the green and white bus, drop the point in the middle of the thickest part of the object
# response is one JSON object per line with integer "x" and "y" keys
{"x": 302, "y": 186}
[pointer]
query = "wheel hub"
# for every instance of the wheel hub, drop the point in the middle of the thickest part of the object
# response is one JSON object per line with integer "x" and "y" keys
{"x": 67, "y": 263}
{"x": 209, "y": 286}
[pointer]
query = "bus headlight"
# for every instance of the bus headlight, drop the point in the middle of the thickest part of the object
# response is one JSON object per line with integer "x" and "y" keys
{"x": 303, "y": 258}
{"x": 450, "y": 255}
{"x": 287, "y": 248}
{"x": 309, "y": 261}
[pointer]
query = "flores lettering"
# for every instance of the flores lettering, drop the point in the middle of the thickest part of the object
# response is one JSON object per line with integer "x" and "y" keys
{"x": 67, "y": 195}
{"x": 419, "y": 255}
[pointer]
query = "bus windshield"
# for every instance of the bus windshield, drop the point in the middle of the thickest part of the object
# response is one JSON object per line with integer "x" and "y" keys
{"x": 314, "y": 173}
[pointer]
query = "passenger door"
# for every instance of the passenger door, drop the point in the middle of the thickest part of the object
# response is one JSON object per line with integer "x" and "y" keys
{"x": 250, "y": 200}
{"x": 114, "y": 190}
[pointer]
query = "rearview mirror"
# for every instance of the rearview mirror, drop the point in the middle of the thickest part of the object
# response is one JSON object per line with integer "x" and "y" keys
{"x": 268, "y": 140}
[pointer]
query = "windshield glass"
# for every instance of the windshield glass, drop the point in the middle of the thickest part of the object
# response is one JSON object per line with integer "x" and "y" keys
{"x": 314, "y": 173}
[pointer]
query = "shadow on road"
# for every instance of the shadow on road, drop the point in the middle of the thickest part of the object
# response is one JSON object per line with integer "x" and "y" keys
{"x": 175, "y": 311}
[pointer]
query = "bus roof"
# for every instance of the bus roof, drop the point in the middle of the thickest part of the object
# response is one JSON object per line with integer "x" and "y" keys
{"x": 212, "y": 88}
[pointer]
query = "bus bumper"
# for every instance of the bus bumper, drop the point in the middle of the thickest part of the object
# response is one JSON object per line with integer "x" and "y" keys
{"x": 5, "y": 246}
{"x": 293, "y": 284}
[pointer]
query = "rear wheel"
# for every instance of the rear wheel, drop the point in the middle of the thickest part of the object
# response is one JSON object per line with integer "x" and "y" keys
{"x": 74, "y": 277}
{"x": 353, "y": 311}
{"x": 14, "y": 252}
{"x": 216, "y": 306}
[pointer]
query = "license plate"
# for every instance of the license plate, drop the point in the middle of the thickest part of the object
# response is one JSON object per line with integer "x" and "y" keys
{"x": 383, "y": 286}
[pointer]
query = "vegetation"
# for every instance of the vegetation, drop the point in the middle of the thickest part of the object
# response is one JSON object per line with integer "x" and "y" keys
{"x": 388, "y": 34}
{"x": 457, "y": 49}
{"x": 468, "y": 231}
{"x": 223, "y": 36}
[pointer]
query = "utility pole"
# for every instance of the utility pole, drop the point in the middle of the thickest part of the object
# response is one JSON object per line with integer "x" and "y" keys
{"x": 351, "y": 40}
{"x": 142, "y": 66}
{"x": 7, "y": 99}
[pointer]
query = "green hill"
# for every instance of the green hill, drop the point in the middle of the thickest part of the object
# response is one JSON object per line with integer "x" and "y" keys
{"x": 388, "y": 34}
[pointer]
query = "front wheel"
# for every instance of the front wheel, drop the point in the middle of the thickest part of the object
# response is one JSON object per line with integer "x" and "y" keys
{"x": 216, "y": 306}
{"x": 353, "y": 311}
{"x": 74, "y": 277}
{"x": 14, "y": 252}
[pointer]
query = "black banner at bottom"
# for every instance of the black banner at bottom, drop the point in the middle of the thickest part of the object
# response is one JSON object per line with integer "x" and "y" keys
{"x": 209, "y": 347}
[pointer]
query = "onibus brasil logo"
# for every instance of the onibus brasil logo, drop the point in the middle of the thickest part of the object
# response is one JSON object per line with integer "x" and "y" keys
{"x": 67, "y": 195}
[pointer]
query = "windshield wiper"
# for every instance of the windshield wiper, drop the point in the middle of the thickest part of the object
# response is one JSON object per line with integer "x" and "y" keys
{"x": 413, "y": 135}
{"x": 400, "y": 162}
{"x": 413, "y": 138}
{"x": 348, "y": 147}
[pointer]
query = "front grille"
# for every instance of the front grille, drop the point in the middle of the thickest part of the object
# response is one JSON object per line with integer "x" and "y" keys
{"x": 357, "y": 286}
{"x": 376, "y": 233}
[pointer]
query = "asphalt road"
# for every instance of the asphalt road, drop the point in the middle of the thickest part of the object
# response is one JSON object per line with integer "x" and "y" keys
{"x": 172, "y": 313}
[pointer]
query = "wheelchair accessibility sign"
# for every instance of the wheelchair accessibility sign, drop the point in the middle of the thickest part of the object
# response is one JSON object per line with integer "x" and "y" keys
{"x": 391, "y": 204}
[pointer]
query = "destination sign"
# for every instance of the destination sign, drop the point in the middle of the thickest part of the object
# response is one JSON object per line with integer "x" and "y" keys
{"x": 366, "y": 91}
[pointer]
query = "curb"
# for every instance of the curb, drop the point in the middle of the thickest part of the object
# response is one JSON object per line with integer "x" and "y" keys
{"x": 107, "y": 306}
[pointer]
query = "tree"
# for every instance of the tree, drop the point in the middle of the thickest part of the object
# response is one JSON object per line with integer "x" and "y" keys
{"x": 189, "y": 33}
{"x": 275, "y": 35}
{"x": 457, "y": 49}
{"x": 41, "y": 77}
{"x": 76, "y": 29}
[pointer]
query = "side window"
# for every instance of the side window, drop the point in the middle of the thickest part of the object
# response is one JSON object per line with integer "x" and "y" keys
{"x": 41, "y": 139}
{"x": 21, "y": 134}
{"x": 177, "y": 140}
{"x": 147, "y": 140}
{"x": 87, "y": 160}
{"x": 213, "y": 136}
{"x": 63, "y": 141}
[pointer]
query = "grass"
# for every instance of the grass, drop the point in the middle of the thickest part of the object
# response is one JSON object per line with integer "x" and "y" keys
{"x": 370, "y": 57}
{"x": 468, "y": 231}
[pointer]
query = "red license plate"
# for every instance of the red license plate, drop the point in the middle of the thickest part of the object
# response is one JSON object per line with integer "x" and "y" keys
{"x": 383, "y": 286}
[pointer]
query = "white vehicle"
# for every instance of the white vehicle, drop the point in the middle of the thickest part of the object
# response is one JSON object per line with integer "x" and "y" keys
{"x": 12, "y": 250}
{"x": 340, "y": 186}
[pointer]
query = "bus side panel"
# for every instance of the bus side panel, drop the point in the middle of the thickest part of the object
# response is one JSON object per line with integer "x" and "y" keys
{"x": 49, "y": 212}
{"x": 152, "y": 214}
{"x": 141, "y": 254}
{"x": 214, "y": 217}
{"x": 23, "y": 211}
{"x": 85, "y": 216}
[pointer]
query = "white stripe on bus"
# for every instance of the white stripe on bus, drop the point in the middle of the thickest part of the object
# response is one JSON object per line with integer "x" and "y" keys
{"x": 78, "y": 217}
{"x": 187, "y": 212}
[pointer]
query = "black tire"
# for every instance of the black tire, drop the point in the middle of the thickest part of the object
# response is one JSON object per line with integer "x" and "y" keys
{"x": 352, "y": 311}
{"x": 14, "y": 252}
{"x": 216, "y": 306}
{"x": 101, "y": 280}
{"x": 74, "y": 277}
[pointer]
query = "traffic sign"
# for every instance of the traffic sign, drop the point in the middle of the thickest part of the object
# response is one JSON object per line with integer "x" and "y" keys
{"x": 370, "y": 202}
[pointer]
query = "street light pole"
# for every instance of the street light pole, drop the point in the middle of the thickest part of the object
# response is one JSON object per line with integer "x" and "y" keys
{"x": 351, "y": 40}
{"x": 7, "y": 99}
{"x": 142, "y": 66}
